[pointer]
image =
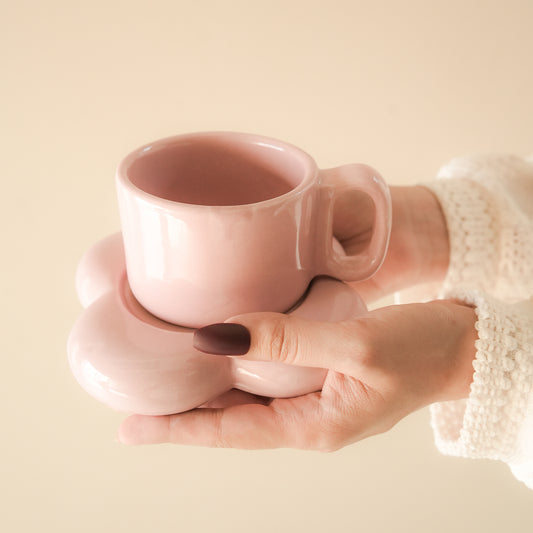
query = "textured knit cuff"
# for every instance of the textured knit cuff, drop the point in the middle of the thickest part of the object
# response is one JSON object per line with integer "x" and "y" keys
{"x": 487, "y": 204}
{"x": 487, "y": 424}
{"x": 473, "y": 233}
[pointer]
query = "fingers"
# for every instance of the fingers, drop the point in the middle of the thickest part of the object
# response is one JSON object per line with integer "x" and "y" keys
{"x": 236, "y": 397}
{"x": 353, "y": 220}
{"x": 282, "y": 338}
{"x": 287, "y": 423}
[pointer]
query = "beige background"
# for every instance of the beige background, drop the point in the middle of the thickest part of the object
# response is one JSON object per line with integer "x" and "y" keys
{"x": 401, "y": 85}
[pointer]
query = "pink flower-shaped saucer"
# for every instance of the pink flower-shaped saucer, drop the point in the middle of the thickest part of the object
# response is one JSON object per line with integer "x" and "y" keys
{"x": 134, "y": 362}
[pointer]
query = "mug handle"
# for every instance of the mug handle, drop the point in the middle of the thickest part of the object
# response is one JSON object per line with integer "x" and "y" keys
{"x": 335, "y": 182}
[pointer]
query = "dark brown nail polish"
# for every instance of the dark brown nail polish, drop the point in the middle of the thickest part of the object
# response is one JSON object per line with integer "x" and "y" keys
{"x": 222, "y": 339}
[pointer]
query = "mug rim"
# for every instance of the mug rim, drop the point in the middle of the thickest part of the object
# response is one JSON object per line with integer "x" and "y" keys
{"x": 309, "y": 164}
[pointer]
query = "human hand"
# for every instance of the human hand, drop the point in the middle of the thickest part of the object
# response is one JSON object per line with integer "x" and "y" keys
{"x": 418, "y": 249}
{"x": 381, "y": 367}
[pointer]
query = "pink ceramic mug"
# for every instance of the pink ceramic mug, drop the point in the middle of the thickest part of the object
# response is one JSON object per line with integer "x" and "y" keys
{"x": 218, "y": 224}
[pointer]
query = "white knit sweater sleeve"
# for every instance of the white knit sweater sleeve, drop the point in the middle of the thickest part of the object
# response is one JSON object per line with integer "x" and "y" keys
{"x": 488, "y": 205}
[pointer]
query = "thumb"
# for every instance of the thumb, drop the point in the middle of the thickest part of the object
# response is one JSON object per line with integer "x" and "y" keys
{"x": 280, "y": 338}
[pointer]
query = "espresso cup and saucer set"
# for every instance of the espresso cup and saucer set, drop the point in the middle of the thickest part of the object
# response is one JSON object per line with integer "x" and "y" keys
{"x": 214, "y": 225}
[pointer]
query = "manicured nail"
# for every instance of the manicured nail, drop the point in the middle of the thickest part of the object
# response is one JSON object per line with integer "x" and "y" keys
{"x": 222, "y": 339}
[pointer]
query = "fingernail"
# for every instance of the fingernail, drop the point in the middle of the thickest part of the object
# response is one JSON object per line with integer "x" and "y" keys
{"x": 222, "y": 339}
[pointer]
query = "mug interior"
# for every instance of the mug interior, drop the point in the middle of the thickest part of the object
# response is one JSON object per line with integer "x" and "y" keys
{"x": 217, "y": 169}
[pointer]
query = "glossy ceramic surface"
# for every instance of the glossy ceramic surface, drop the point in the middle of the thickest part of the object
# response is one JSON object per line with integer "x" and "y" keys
{"x": 134, "y": 362}
{"x": 218, "y": 224}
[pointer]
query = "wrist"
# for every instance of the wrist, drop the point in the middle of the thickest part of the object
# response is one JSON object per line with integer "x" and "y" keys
{"x": 419, "y": 237}
{"x": 458, "y": 339}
